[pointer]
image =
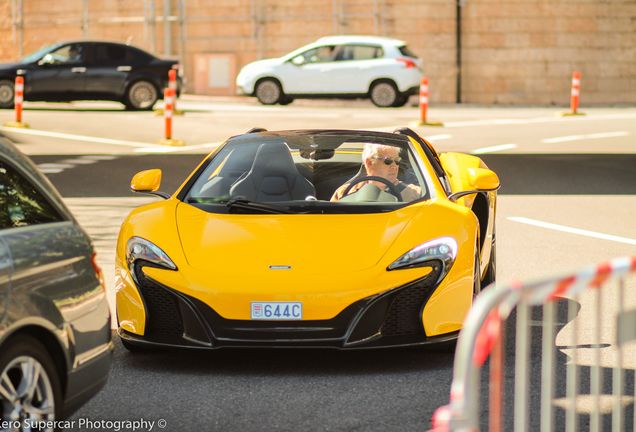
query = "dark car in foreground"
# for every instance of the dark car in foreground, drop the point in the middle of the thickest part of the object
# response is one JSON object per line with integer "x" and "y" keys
{"x": 55, "y": 337}
{"x": 89, "y": 70}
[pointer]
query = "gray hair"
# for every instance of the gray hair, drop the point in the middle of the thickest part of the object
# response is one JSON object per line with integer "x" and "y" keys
{"x": 372, "y": 150}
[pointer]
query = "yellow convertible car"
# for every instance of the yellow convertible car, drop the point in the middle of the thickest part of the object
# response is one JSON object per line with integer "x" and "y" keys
{"x": 309, "y": 238}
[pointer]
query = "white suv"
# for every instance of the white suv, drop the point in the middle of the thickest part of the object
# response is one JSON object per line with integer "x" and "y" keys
{"x": 379, "y": 68}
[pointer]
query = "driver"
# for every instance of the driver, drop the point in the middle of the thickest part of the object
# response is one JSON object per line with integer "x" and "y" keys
{"x": 381, "y": 161}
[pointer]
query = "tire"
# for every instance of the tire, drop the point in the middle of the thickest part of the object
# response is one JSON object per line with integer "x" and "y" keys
{"x": 6, "y": 94}
{"x": 491, "y": 273}
{"x": 401, "y": 101}
{"x": 384, "y": 94}
{"x": 477, "y": 276}
{"x": 25, "y": 352}
{"x": 141, "y": 96}
{"x": 286, "y": 100}
{"x": 269, "y": 92}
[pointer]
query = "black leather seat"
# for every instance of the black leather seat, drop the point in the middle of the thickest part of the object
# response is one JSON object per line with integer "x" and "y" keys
{"x": 273, "y": 177}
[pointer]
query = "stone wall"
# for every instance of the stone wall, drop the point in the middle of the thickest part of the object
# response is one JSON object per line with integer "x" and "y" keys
{"x": 513, "y": 51}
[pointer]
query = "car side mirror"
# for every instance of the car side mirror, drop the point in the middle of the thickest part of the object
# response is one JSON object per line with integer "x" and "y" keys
{"x": 298, "y": 60}
{"x": 148, "y": 182}
{"x": 481, "y": 179}
{"x": 48, "y": 59}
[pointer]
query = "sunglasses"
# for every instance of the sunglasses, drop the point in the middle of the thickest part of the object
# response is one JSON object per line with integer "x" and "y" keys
{"x": 389, "y": 161}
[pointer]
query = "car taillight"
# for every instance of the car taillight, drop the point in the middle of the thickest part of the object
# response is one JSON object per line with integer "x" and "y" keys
{"x": 98, "y": 270}
{"x": 408, "y": 63}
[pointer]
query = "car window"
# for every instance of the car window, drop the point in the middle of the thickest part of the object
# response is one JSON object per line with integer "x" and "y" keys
{"x": 110, "y": 54}
{"x": 21, "y": 204}
{"x": 358, "y": 52}
{"x": 321, "y": 54}
{"x": 406, "y": 51}
{"x": 137, "y": 56}
{"x": 68, "y": 54}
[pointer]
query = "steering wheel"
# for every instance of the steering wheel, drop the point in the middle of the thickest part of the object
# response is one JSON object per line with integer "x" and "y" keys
{"x": 392, "y": 189}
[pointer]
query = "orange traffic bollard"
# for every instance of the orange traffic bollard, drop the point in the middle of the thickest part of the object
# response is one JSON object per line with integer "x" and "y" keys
{"x": 576, "y": 91}
{"x": 172, "y": 84}
{"x": 18, "y": 99}
{"x": 575, "y": 94}
{"x": 423, "y": 99}
{"x": 424, "y": 105}
{"x": 169, "y": 96}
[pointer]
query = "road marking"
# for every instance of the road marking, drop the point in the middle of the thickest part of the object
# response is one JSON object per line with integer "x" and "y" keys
{"x": 55, "y": 165}
{"x": 168, "y": 149}
{"x": 440, "y": 137}
{"x": 72, "y": 137}
{"x": 570, "y": 230}
{"x": 492, "y": 149}
{"x": 584, "y": 137}
{"x": 79, "y": 161}
{"x": 521, "y": 121}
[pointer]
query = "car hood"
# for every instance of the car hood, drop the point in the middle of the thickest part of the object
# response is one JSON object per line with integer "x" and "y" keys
{"x": 310, "y": 244}
{"x": 261, "y": 64}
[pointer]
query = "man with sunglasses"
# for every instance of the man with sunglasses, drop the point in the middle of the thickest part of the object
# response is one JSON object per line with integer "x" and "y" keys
{"x": 381, "y": 161}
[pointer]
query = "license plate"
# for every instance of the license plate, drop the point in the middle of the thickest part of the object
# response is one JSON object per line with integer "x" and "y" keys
{"x": 277, "y": 311}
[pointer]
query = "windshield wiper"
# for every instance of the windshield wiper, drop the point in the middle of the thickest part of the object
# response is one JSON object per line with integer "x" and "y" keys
{"x": 245, "y": 204}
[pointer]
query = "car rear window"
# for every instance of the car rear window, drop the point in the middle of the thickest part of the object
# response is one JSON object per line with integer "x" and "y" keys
{"x": 405, "y": 51}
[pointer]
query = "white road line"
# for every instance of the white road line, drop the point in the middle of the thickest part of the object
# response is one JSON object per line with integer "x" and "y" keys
{"x": 571, "y": 230}
{"x": 492, "y": 149}
{"x": 51, "y": 170}
{"x": 73, "y": 137}
{"x": 584, "y": 137}
{"x": 99, "y": 157}
{"x": 55, "y": 166}
{"x": 168, "y": 149}
{"x": 439, "y": 137}
{"x": 521, "y": 121}
{"x": 79, "y": 161}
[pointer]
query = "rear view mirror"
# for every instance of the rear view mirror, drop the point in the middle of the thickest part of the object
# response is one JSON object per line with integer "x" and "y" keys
{"x": 148, "y": 182}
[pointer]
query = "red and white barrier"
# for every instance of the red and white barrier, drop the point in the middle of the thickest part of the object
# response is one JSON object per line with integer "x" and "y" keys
{"x": 575, "y": 93}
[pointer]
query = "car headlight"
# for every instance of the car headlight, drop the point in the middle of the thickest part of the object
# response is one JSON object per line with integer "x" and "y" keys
{"x": 443, "y": 250}
{"x": 141, "y": 249}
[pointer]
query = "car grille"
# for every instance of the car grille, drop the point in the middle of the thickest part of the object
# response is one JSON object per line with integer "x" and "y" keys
{"x": 163, "y": 323}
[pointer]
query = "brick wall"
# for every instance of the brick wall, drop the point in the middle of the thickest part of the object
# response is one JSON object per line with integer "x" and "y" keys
{"x": 514, "y": 51}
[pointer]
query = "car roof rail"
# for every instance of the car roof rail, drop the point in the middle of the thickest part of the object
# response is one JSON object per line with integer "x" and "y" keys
{"x": 256, "y": 130}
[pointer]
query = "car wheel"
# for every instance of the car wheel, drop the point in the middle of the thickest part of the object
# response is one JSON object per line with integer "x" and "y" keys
{"x": 491, "y": 273}
{"x": 142, "y": 95}
{"x": 29, "y": 384}
{"x": 6, "y": 94}
{"x": 384, "y": 94}
{"x": 269, "y": 92}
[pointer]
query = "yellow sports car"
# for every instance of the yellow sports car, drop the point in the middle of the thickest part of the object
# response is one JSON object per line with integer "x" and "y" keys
{"x": 309, "y": 238}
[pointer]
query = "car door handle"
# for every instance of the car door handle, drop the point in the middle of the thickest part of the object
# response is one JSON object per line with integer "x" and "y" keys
{"x": 78, "y": 69}
{"x": 124, "y": 68}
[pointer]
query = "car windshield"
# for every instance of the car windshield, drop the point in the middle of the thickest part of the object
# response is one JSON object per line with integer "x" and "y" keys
{"x": 38, "y": 54}
{"x": 310, "y": 172}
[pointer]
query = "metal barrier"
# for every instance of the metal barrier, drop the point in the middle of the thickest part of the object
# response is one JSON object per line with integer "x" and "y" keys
{"x": 584, "y": 388}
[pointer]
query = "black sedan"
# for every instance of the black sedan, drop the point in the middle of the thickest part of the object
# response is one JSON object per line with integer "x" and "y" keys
{"x": 89, "y": 70}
